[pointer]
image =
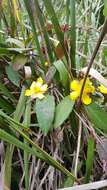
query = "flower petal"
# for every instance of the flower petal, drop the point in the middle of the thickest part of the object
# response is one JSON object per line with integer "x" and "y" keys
{"x": 37, "y": 89}
{"x": 44, "y": 88}
{"x": 40, "y": 96}
{"x": 102, "y": 89}
{"x": 40, "y": 80}
{"x": 89, "y": 89}
{"x": 29, "y": 92}
{"x": 88, "y": 82}
{"x": 86, "y": 99}
{"x": 33, "y": 85}
{"x": 75, "y": 85}
{"x": 74, "y": 95}
{"x": 92, "y": 89}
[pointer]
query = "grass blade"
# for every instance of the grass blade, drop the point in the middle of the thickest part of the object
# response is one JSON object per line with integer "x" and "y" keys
{"x": 10, "y": 148}
{"x": 73, "y": 37}
{"x": 26, "y": 122}
{"x": 46, "y": 156}
{"x": 6, "y": 92}
{"x": 14, "y": 141}
{"x": 53, "y": 17}
{"x": 44, "y": 31}
{"x": 90, "y": 158}
{"x": 6, "y": 106}
{"x": 29, "y": 6}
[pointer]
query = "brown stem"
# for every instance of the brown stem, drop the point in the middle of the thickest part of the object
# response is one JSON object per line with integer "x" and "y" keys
{"x": 103, "y": 32}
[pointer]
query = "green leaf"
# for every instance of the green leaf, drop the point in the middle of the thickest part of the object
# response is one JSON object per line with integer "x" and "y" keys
{"x": 5, "y": 51}
{"x": 49, "y": 159}
{"x": 64, "y": 77}
{"x": 20, "y": 105}
{"x": 31, "y": 12}
{"x": 41, "y": 19}
{"x": 73, "y": 36}
{"x": 13, "y": 140}
{"x": 12, "y": 121}
{"x": 13, "y": 76}
{"x": 98, "y": 116}
{"x": 90, "y": 158}
{"x": 26, "y": 122}
{"x": 19, "y": 61}
{"x": 68, "y": 182}
{"x": 10, "y": 148}
{"x": 27, "y": 116}
{"x": 8, "y": 158}
{"x": 6, "y": 92}
{"x": 6, "y": 106}
{"x": 15, "y": 42}
{"x": 13, "y": 51}
{"x": 45, "y": 113}
{"x": 51, "y": 12}
{"x": 63, "y": 109}
{"x": 105, "y": 8}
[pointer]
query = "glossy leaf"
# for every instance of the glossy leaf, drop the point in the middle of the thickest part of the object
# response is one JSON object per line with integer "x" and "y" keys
{"x": 90, "y": 158}
{"x": 98, "y": 116}
{"x": 64, "y": 77}
{"x": 45, "y": 113}
{"x": 63, "y": 109}
{"x": 105, "y": 8}
{"x": 13, "y": 76}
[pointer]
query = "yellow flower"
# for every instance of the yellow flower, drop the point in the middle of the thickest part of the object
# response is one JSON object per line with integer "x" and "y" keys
{"x": 46, "y": 63}
{"x": 37, "y": 89}
{"x": 102, "y": 89}
{"x": 76, "y": 86}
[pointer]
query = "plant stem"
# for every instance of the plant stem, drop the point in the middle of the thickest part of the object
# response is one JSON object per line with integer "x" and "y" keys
{"x": 78, "y": 147}
{"x": 73, "y": 37}
{"x": 103, "y": 32}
